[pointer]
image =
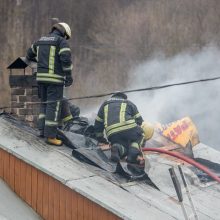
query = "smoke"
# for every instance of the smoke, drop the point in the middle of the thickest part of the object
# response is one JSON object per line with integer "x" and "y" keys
{"x": 200, "y": 101}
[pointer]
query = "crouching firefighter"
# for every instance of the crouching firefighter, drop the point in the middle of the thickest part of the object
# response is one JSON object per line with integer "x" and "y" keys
{"x": 54, "y": 70}
{"x": 69, "y": 113}
{"x": 121, "y": 121}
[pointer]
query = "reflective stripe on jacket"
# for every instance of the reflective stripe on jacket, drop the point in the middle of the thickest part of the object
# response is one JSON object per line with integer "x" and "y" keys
{"x": 53, "y": 56}
{"x": 116, "y": 115}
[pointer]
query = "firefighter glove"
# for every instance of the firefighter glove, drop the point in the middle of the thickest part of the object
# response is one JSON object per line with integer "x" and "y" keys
{"x": 102, "y": 140}
{"x": 68, "y": 81}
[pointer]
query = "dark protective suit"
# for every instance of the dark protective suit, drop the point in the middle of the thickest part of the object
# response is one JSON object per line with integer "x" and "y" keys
{"x": 69, "y": 112}
{"x": 54, "y": 66}
{"x": 121, "y": 121}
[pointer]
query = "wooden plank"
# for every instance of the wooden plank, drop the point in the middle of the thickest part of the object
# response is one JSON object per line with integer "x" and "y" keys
{"x": 34, "y": 178}
{"x": 40, "y": 178}
{"x": 28, "y": 184}
{"x": 56, "y": 200}
{"x": 95, "y": 211}
{"x": 17, "y": 175}
{"x": 101, "y": 214}
{"x": 111, "y": 216}
{"x": 68, "y": 204}
{"x": 80, "y": 211}
{"x": 12, "y": 172}
{"x": 51, "y": 198}
{"x": 6, "y": 167}
{"x": 87, "y": 209}
{"x": 45, "y": 196}
{"x": 1, "y": 164}
{"x": 62, "y": 201}
{"x": 23, "y": 172}
{"x": 90, "y": 209}
{"x": 74, "y": 205}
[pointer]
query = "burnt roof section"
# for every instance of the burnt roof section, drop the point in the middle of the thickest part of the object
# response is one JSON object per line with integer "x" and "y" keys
{"x": 22, "y": 63}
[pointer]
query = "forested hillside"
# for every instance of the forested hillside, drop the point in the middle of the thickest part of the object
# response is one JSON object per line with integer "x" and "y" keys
{"x": 109, "y": 36}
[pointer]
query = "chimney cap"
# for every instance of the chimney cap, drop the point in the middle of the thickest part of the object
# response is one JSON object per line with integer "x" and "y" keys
{"x": 22, "y": 63}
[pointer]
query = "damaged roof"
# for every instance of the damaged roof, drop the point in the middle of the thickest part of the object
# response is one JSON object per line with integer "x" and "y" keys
{"x": 128, "y": 200}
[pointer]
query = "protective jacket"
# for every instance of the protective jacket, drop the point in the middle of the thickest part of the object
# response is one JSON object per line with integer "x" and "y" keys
{"x": 116, "y": 115}
{"x": 53, "y": 56}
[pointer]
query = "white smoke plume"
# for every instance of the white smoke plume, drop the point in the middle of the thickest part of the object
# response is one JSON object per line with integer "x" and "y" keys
{"x": 200, "y": 101}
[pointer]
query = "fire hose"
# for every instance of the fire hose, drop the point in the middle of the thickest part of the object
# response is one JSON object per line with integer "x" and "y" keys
{"x": 186, "y": 159}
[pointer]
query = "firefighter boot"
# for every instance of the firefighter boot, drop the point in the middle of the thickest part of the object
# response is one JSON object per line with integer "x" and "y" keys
{"x": 135, "y": 156}
{"x": 136, "y": 161}
{"x": 117, "y": 152}
{"x": 54, "y": 141}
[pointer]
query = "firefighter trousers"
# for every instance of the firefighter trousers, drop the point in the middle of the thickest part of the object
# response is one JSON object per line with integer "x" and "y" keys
{"x": 66, "y": 114}
{"x": 49, "y": 117}
{"x": 131, "y": 140}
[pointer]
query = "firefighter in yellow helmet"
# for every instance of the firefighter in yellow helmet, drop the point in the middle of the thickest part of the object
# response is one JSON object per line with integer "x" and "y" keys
{"x": 148, "y": 130}
{"x": 122, "y": 122}
{"x": 54, "y": 70}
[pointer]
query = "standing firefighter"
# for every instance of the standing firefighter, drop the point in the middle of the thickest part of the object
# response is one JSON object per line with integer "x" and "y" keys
{"x": 54, "y": 70}
{"x": 121, "y": 120}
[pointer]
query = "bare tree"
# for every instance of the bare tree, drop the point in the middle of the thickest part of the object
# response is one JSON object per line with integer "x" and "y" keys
{"x": 109, "y": 36}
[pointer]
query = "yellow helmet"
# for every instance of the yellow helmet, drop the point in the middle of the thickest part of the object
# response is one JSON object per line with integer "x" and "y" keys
{"x": 64, "y": 28}
{"x": 148, "y": 129}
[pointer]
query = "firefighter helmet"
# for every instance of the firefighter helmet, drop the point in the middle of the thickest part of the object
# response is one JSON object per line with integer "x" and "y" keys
{"x": 64, "y": 28}
{"x": 119, "y": 94}
{"x": 148, "y": 129}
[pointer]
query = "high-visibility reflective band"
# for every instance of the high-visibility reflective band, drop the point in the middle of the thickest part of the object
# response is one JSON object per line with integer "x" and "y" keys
{"x": 123, "y": 128}
{"x": 57, "y": 111}
{"x": 50, "y": 76}
{"x": 99, "y": 134}
{"x": 122, "y": 112}
{"x": 32, "y": 48}
{"x": 98, "y": 119}
{"x": 44, "y": 79}
{"x": 37, "y": 52}
{"x": 106, "y": 116}
{"x": 64, "y": 49}
{"x": 51, "y": 123}
{"x": 137, "y": 115}
{"x": 142, "y": 141}
{"x": 132, "y": 121}
{"x": 67, "y": 118}
{"x": 134, "y": 144}
{"x": 122, "y": 150}
{"x": 68, "y": 68}
{"x": 51, "y": 59}
{"x": 41, "y": 116}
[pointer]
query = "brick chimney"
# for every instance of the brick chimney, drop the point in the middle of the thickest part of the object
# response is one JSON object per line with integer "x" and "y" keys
{"x": 24, "y": 90}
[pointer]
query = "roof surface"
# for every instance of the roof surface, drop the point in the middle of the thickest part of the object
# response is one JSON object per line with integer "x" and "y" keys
{"x": 128, "y": 200}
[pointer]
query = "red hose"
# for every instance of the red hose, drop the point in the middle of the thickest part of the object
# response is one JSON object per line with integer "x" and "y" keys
{"x": 186, "y": 159}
